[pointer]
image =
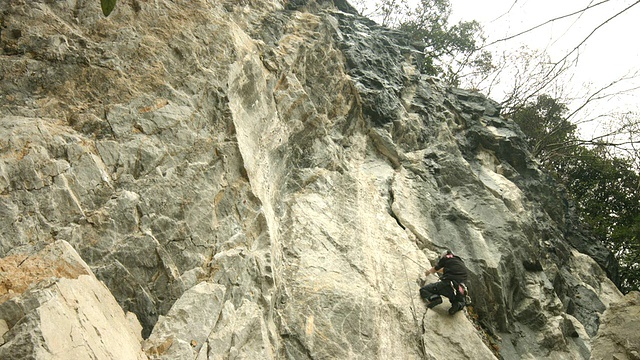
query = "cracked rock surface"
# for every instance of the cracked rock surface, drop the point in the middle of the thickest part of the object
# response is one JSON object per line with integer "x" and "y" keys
{"x": 270, "y": 179}
{"x": 55, "y": 308}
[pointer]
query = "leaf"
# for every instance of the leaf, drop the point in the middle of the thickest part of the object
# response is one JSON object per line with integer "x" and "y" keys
{"x": 107, "y": 6}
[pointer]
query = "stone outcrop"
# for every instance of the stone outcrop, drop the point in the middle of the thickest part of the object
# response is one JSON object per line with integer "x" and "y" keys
{"x": 201, "y": 325}
{"x": 271, "y": 178}
{"x": 53, "y": 307}
{"x": 619, "y": 333}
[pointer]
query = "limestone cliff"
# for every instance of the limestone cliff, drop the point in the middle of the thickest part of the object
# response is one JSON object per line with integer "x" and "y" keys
{"x": 269, "y": 179}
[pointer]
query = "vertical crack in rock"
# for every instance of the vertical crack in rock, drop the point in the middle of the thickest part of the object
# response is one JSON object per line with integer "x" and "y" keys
{"x": 390, "y": 209}
{"x": 278, "y": 161}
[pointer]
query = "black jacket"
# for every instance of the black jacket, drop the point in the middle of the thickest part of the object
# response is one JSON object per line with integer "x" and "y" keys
{"x": 454, "y": 268}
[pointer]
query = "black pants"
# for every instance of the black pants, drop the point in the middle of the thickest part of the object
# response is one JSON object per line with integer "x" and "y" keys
{"x": 430, "y": 291}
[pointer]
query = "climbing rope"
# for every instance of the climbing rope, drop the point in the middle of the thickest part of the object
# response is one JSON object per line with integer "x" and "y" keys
{"x": 415, "y": 262}
{"x": 413, "y": 306}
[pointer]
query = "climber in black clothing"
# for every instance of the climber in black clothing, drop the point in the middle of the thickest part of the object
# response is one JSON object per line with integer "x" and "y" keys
{"x": 451, "y": 283}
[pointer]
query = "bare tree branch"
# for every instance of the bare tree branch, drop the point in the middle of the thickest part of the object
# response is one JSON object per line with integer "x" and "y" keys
{"x": 545, "y": 23}
{"x": 600, "y": 95}
{"x": 596, "y": 29}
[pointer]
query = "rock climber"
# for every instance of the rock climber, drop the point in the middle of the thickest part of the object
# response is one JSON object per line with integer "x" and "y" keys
{"x": 451, "y": 283}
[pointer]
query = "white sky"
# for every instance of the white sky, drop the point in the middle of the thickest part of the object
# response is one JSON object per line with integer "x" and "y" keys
{"x": 610, "y": 53}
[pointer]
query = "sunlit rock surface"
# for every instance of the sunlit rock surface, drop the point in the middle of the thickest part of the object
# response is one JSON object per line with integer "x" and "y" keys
{"x": 279, "y": 175}
{"x": 53, "y": 307}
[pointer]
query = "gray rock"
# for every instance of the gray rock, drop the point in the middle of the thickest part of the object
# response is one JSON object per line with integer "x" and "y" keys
{"x": 241, "y": 333}
{"x": 53, "y": 307}
{"x": 188, "y": 324}
{"x": 281, "y": 174}
{"x": 619, "y": 333}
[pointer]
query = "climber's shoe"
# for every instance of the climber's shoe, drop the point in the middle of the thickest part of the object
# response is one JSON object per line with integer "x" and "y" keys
{"x": 455, "y": 307}
{"x": 434, "y": 302}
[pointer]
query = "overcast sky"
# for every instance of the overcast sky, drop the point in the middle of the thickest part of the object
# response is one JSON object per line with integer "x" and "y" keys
{"x": 611, "y": 52}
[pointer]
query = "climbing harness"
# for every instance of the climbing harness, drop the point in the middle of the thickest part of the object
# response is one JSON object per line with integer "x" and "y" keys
{"x": 462, "y": 290}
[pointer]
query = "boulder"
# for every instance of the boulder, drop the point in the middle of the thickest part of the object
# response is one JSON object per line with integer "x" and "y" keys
{"x": 53, "y": 307}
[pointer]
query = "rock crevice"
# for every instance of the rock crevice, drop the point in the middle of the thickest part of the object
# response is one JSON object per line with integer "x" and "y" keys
{"x": 270, "y": 179}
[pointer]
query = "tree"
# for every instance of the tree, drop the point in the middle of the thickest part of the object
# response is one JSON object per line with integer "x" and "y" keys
{"x": 451, "y": 51}
{"x": 604, "y": 185}
{"x": 449, "y": 48}
{"x": 550, "y": 135}
{"x": 520, "y": 75}
{"x": 607, "y": 192}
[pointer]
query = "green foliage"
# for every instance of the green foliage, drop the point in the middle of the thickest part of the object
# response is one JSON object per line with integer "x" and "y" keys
{"x": 605, "y": 187}
{"x": 107, "y": 6}
{"x": 451, "y": 51}
{"x": 448, "y": 47}
{"x": 607, "y": 192}
{"x": 550, "y": 135}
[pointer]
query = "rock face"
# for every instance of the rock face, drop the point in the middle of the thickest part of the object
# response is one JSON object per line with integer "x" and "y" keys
{"x": 53, "y": 307}
{"x": 619, "y": 334}
{"x": 270, "y": 179}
